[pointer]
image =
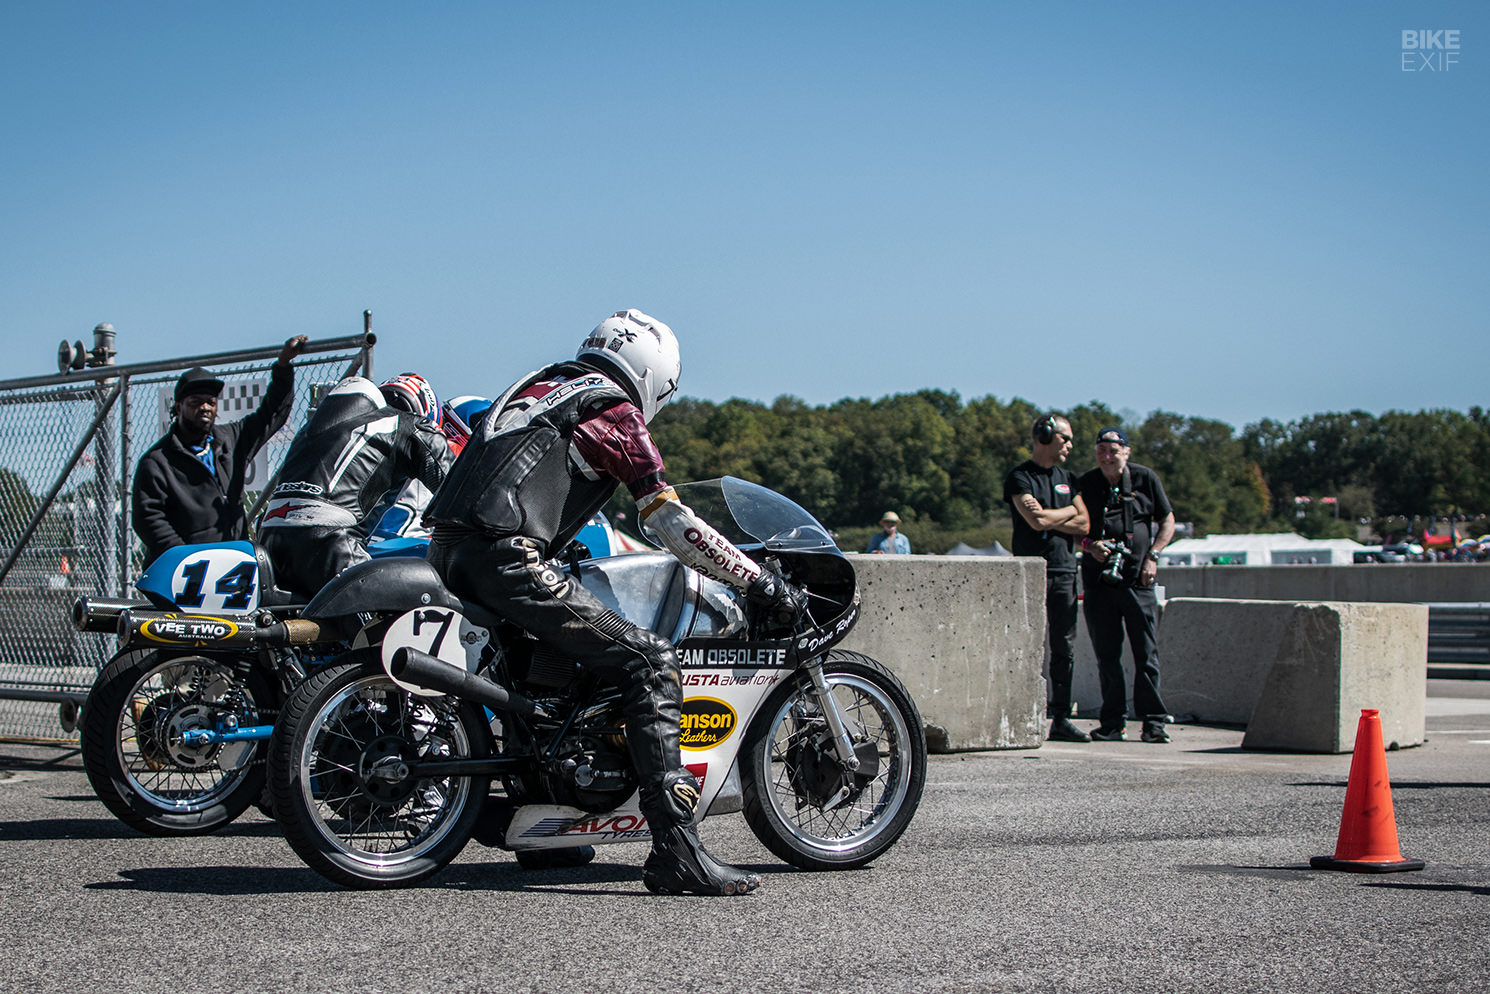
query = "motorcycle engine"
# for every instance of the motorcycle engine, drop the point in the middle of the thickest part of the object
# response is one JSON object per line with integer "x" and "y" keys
{"x": 592, "y": 770}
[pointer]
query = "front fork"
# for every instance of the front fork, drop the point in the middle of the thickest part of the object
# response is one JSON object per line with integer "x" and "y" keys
{"x": 843, "y": 745}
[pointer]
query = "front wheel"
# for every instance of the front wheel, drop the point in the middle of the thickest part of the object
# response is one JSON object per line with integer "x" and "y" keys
{"x": 137, "y": 739}
{"x": 800, "y": 802}
{"x": 343, "y": 776}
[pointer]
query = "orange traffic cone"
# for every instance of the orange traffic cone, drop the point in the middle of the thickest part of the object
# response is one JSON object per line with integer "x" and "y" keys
{"x": 1368, "y": 829}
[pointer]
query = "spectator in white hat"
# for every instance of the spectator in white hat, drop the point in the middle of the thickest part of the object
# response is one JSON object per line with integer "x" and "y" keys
{"x": 890, "y": 540}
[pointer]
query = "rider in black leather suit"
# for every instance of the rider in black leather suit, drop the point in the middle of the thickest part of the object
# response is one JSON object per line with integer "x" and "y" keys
{"x": 538, "y": 465}
{"x": 362, "y": 442}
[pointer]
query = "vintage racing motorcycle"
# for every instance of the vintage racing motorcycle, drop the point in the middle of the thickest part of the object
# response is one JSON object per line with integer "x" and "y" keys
{"x": 444, "y": 723}
{"x": 175, "y": 727}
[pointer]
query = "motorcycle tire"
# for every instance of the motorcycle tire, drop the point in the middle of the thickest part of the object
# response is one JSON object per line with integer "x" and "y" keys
{"x": 334, "y": 775}
{"x": 137, "y": 761}
{"x": 790, "y": 775}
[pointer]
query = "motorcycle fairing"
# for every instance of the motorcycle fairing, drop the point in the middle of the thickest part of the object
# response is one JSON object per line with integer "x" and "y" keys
{"x": 655, "y": 591}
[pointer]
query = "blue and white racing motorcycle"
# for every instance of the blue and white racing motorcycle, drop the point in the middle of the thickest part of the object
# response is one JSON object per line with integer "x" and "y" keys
{"x": 175, "y": 727}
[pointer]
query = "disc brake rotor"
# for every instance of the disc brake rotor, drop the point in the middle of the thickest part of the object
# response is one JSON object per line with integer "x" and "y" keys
{"x": 191, "y": 718}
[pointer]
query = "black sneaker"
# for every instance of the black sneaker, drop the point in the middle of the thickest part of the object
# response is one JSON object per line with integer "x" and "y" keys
{"x": 1062, "y": 730}
{"x": 1105, "y": 734}
{"x": 1154, "y": 731}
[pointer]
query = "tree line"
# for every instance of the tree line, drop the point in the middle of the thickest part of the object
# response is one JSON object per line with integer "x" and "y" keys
{"x": 940, "y": 462}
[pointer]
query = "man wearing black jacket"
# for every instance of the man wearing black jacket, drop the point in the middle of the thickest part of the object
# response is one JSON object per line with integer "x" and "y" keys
{"x": 188, "y": 488}
{"x": 1131, "y": 521}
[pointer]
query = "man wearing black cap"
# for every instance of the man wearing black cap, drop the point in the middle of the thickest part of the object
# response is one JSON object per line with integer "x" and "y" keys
{"x": 188, "y": 488}
{"x": 1131, "y": 522}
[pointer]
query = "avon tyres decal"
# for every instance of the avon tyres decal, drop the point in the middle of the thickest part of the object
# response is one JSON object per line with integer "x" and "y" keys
{"x": 601, "y": 828}
{"x": 705, "y": 723}
{"x": 188, "y": 629}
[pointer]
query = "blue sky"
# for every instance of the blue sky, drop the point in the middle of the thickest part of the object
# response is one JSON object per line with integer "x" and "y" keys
{"x": 1225, "y": 211}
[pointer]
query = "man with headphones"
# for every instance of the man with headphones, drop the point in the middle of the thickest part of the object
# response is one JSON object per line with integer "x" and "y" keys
{"x": 1048, "y": 514}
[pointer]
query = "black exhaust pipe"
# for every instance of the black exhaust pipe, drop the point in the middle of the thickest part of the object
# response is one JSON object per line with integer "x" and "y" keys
{"x": 101, "y": 614}
{"x": 423, "y": 670}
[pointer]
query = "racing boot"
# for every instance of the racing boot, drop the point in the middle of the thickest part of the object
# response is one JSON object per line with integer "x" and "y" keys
{"x": 652, "y": 698}
{"x": 678, "y": 863}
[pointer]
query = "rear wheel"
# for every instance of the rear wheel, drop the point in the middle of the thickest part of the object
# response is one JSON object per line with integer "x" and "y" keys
{"x": 800, "y": 802}
{"x": 342, "y": 785}
{"x": 137, "y": 743}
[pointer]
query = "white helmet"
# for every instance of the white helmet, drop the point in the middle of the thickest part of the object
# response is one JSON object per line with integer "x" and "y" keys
{"x": 642, "y": 351}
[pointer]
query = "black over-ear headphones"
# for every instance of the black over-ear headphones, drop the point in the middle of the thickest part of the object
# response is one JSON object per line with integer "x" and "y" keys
{"x": 1045, "y": 430}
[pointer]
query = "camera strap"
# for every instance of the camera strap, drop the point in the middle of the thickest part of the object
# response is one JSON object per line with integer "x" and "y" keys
{"x": 1125, "y": 503}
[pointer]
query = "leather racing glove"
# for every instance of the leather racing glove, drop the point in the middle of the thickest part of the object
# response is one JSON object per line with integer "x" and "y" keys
{"x": 783, "y": 603}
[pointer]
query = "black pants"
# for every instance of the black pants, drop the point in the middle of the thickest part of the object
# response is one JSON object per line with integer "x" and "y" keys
{"x": 1060, "y": 624}
{"x": 306, "y": 557}
{"x": 1110, "y": 612}
{"x": 508, "y": 577}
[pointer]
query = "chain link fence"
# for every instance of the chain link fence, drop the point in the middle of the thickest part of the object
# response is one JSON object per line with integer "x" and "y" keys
{"x": 69, "y": 444}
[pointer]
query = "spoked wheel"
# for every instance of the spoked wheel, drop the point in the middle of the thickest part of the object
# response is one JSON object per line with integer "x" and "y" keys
{"x": 799, "y": 801}
{"x": 138, "y": 746}
{"x": 343, "y": 784}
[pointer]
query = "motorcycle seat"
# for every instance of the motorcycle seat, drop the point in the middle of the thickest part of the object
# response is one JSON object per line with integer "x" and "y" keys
{"x": 269, "y": 594}
{"x": 478, "y": 615}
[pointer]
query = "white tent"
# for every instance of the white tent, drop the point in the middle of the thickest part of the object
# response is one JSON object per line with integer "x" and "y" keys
{"x": 963, "y": 549}
{"x": 1283, "y": 548}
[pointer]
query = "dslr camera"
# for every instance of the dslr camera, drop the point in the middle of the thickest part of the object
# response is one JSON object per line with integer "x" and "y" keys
{"x": 1117, "y": 560}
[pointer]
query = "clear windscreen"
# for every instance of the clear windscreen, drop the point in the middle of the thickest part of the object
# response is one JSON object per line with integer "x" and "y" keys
{"x": 753, "y": 517}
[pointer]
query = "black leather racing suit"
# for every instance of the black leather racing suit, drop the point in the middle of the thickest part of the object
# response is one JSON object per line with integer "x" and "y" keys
{"x": 351, "y": 453}
{"x": 538, "y": 465}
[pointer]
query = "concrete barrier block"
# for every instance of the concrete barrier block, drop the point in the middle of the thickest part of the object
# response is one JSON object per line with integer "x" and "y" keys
{"x": 1297, "y": 674}
{"x": 1215, "y": 656}
{"x": 1336, "y": 659}
{"x": 966, "y": 636}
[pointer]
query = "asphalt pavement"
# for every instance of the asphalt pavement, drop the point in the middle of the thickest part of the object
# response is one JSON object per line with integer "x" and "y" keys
{"x": 1090, "y": 868}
